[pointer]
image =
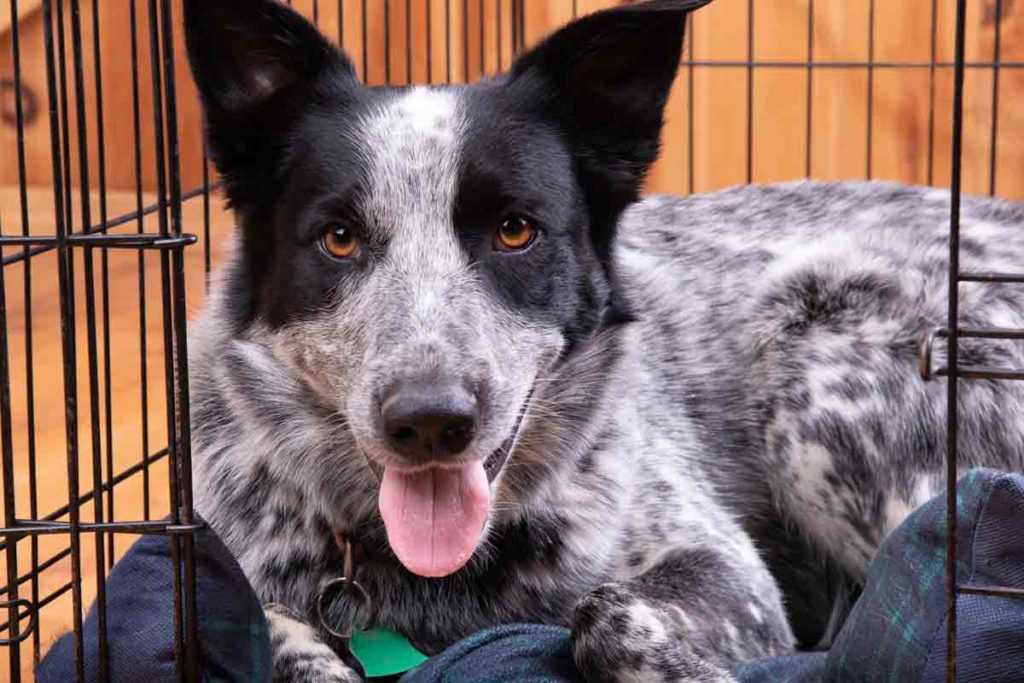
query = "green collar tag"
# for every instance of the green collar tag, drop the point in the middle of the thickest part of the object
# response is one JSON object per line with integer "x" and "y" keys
{"x": 384, "y": 653}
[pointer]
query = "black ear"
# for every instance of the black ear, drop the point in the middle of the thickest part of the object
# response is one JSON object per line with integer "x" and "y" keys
{"x": 257, "y": 63}
{"x": 605, "y": 80}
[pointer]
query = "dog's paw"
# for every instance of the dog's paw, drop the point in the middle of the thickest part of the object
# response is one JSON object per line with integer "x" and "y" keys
{"x": 305, "y": 669}
{"x": 299, "y": 654}
{"x": 618, "y": 636}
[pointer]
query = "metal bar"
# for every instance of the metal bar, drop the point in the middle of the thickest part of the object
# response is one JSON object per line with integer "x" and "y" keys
{"x": 952, "y": 384}
{"x": 141, "y": 262}
{"x": 750, "y": 91}
{"x": 19, "y": 115}
{"x": 870, "y": 133}
{"x": 1014, "y": 278}
{"x": 7, "y": 448}
{"x": 992, "y": 591}
{"x": 58, "y": 157}
{"x": 1006, "y": 333}
{"x": 92, "y": 346}
{"x": 366, "y": 56}
{"x": 387, "y": 42}
{"x": 430, "y": 41}
{"x": 181, "y": 402}
{"x": 799, "y": 64}
{"x": 408, "y": 41}
{"x": 931, "y": 92}
{"x": 994, "y": 127}
{"x": 65, "y": 135}
{"x": 22, "y": 528}
{"x": 104, "y": 272}
{"x": 45, "y": 244}
{"x": 448, "y": 38}
{"x": 810, "y": 89}
{"x": 15, "y": 640}
{"x": 133, "y": 241}
{"x": 207, "y": 247}
{"x": 980, "y": 372}
{"x": 689, "y": 27}
{"x": 465, "y": 41}
{"x": 156, "y": 66}
{"x": 105, "y": 241}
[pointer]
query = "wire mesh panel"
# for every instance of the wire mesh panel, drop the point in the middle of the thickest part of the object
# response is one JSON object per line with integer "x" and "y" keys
{"x": 110, "y": 188}
{"x": 72, "y": 245}
{"x": 953, "y": 333}
{"x": 110, "y": 220}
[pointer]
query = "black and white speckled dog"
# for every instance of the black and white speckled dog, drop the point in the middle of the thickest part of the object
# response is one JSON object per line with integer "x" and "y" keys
{"x": 450, "y": 334}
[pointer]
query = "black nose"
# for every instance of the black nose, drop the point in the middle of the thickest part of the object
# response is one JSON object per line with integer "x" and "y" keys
{"x": 429, "y": 421}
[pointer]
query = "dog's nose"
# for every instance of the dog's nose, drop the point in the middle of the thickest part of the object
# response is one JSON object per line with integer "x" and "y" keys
{"x": 429, "y": 421}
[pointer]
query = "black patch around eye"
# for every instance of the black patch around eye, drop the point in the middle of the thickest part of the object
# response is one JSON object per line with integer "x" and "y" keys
{"x": 512, "y": 165}
{"x": 321, "y": 186}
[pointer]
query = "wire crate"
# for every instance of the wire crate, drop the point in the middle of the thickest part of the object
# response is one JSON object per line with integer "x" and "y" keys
{"x": 110, "y": 221}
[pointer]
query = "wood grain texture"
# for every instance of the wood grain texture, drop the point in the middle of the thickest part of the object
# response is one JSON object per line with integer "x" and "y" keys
{"x": 461, "y": 42}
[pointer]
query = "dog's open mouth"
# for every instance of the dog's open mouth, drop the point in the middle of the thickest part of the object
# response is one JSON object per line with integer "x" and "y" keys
{"x": 436, "y": 516}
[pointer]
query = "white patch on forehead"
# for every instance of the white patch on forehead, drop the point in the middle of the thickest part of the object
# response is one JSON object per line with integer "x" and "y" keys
{"x": 412, "y": 146}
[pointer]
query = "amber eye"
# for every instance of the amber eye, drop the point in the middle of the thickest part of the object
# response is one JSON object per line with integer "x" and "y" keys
{"x": 515, "y": 234}
{"x": 341, "y": 242}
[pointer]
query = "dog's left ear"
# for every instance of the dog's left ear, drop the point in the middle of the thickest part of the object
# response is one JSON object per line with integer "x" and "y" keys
{"x": 258, "y": 64}
{"x": 604, "y": 80}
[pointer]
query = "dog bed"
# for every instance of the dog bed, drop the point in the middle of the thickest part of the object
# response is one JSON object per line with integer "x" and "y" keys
{"x": 896, "y": 631}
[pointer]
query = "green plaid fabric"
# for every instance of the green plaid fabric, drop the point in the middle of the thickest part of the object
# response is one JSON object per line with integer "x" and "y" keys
{"x": 897, "y": 630}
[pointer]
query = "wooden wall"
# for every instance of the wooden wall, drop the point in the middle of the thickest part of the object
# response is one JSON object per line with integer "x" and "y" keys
{"x": 849, "y": 137}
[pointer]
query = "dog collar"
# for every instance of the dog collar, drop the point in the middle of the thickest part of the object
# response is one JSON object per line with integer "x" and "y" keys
{"x": 381, "y": 651}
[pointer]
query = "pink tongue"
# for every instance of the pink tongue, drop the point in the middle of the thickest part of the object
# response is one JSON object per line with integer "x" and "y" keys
{"x": 435, "y": 517}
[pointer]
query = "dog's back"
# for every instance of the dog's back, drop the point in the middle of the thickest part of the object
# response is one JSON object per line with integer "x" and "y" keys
{"x": 787, "y": 321}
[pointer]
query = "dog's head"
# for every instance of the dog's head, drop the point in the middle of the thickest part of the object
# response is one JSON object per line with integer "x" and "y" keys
{"x": 425, "y": 256}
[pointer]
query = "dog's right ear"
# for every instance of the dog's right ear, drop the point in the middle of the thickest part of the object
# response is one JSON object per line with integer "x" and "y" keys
{"x": 604, "y": 80}
{"x": 257, "y": 63}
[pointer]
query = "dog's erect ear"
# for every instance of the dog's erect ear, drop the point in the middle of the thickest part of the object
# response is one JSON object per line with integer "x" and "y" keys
{"x": 256, "y": 64}
{"x": 605, "y": 80}
{"x": 245, "y": 53}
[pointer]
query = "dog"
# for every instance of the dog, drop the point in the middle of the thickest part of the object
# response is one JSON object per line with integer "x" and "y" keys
{"x": 452, "y": 339}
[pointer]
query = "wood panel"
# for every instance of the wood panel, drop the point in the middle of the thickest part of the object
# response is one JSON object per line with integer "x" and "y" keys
{"x": 115, "y": 58}
{"x": 393, "y": 41}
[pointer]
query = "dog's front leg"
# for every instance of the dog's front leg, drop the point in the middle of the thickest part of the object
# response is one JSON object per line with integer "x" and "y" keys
{"x": 688, "y": 618}
{"x": 300, "y": 656}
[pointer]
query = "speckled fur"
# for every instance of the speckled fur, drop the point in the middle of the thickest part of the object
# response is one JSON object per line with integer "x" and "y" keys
{"x": 772, "y": 368}
{"x": 750, "y": 430}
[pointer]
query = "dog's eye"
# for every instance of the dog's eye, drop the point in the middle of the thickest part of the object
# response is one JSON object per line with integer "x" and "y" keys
{"x": 515, "y": 234}
{"x": 341, "y": 241}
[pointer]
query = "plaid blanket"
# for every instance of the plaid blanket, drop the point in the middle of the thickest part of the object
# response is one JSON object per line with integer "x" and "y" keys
{"x": 895, "y": 633}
